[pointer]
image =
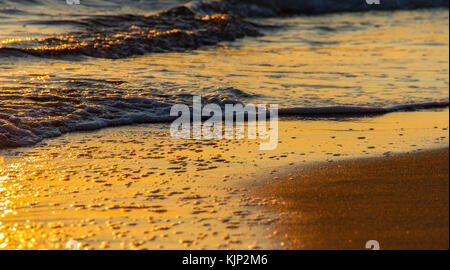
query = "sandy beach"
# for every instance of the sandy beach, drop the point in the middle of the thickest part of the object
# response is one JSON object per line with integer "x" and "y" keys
{"x": 137, "y": 188}
{"x": 132, "y": 125}
{"x": 400, "y": 201}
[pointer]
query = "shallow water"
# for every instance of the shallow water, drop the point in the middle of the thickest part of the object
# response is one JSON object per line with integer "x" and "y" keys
{"x": 376, "y": 59}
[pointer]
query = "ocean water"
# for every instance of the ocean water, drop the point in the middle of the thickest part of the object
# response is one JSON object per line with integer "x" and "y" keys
{"x": 70, "y": 68}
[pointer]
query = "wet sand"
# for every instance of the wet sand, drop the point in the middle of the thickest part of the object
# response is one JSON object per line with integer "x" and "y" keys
{"x": 135, "y": 187}
{"x": 401, "y": 201}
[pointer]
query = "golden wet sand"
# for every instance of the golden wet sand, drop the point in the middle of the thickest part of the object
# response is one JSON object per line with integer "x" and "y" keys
{"x": 399, "y": 201}
{"x": 137, "y": 188}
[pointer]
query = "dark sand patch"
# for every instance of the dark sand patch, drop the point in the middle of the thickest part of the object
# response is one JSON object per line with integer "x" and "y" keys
{"x": 400, "y": 201}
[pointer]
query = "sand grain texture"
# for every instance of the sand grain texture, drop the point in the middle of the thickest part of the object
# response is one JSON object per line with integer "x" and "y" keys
{"x": 400, "y": 201}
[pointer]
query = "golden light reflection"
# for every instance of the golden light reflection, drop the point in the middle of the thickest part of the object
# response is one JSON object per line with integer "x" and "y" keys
{"x": 14, "y": 40}
{"x": 107, "y": 189}
{"x": 216, "y": 17}
{"x": 147, "y": 191}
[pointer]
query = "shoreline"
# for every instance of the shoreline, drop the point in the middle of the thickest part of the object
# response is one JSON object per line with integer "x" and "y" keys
{"x": 136, "y": 187}
{"x": 401, "y": 201}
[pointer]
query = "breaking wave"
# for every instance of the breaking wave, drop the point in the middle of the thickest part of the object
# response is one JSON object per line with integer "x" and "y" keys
{"x": 183, "y": 27}
{"x": 118, "y": 36}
